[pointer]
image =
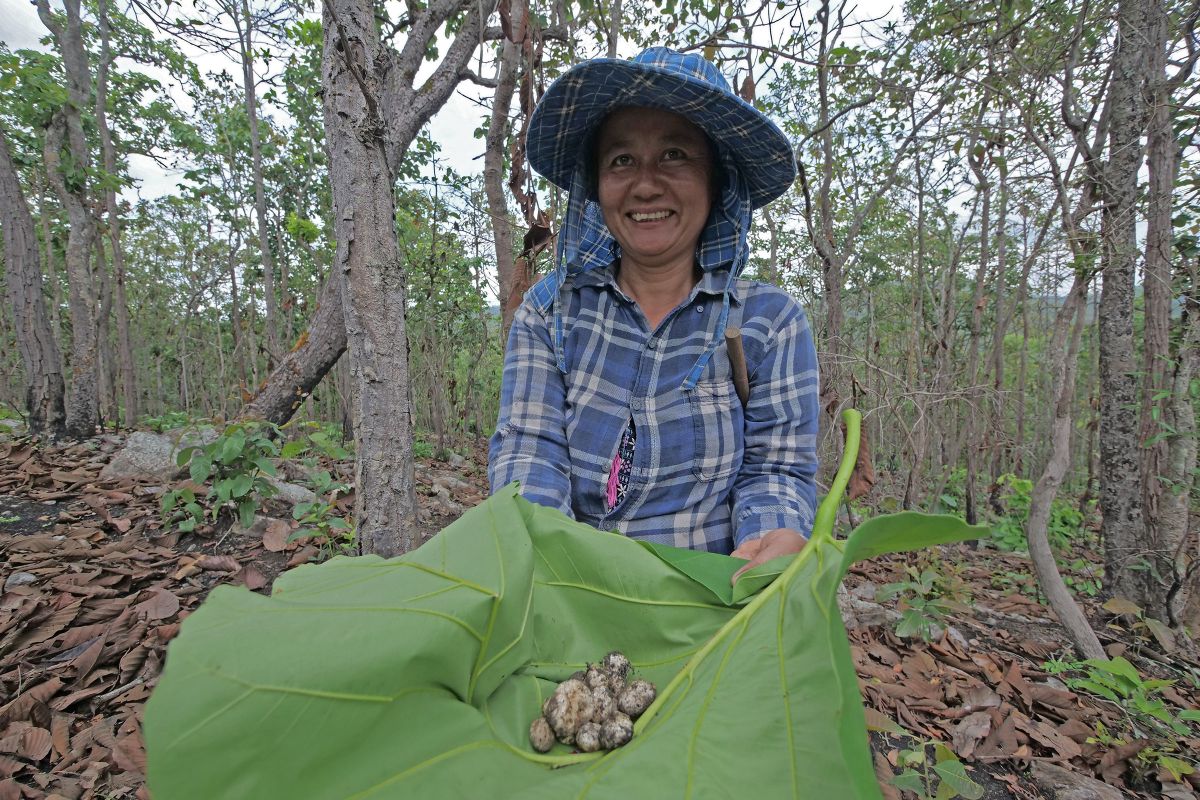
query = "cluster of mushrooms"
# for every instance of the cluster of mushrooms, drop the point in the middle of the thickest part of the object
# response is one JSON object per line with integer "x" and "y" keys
{"x": 594, "y": 709}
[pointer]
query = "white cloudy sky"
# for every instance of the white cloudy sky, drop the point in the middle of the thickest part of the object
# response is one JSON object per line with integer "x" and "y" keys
{"x": 20, "y": 28}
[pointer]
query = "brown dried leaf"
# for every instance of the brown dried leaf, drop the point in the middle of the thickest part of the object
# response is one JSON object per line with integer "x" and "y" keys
{"x": 23, "y": 706}
{"x": 161, "y": 605}
{"x": 252, "y": 578}
{"x": 884, "y": 774}
{"x": 35, "y": 744}
{"x": 218, "y": 563}
{"x": 969, "y": 732}
{"x": 275, "y": 536}
{"x": 302, "y": 556}
{"x": 1115, "y": 762}
{"x": 130, "y": 754}
{"x": 60, "y": 734}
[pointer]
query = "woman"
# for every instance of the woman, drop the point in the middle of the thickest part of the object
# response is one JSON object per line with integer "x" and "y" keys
{"x": 618, "y": 406}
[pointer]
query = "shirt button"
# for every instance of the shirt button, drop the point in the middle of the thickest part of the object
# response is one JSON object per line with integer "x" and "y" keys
{"x": 653, "y": 343}
{"x": 699, "y": 309}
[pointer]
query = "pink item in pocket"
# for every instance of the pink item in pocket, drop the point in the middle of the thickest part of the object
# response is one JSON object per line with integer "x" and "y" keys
{"x": 613, "y": 478}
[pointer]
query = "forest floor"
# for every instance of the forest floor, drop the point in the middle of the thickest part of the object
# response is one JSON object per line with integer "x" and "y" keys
{"x": 94, "y": 589}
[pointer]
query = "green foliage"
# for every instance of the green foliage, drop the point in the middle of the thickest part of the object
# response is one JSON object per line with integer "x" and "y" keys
{"x": 237, "y": 464}
{"x": 933, "y": 772}
{"x": 930, "y": 592}
{"x": 168, "y": 421}
{"x": 422, "y": 449}
{"x": 321, "y": 521}
{"x": 491, "y": 613}
{"x": 1118, "y": 681}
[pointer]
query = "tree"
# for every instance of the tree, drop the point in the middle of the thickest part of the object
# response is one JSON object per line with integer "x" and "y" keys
{"x": 69, "y": 178}
{"x": 23, "y": 282}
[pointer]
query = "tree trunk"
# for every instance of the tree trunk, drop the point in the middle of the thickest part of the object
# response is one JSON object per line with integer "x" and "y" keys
{"x": 977, "y": 301}
{"x": 360, "y": 81}
{"x": 1130, "y": 566}
{"x": 245, "y": 28}
{"x": 301, "y": 370}
{"x": 70, "y": 183}
{"x": 31, "y": 322}
{"x": 1063, "y": 360}
{"x": 1183, "y": 599}
{"x": 493, "y": 165}
{"x": 124, "y": 338}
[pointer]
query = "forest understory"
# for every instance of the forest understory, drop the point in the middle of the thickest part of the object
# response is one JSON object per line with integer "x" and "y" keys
{"x": 954, "y": 647}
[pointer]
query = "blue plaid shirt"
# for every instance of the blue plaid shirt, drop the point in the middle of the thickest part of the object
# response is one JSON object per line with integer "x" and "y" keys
{"x": 707, "y": 474}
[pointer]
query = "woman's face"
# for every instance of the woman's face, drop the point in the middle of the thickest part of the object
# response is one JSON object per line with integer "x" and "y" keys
{"x": 653, "y": 169}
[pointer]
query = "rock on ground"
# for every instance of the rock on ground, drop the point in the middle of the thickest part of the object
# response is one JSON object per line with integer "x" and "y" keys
{"x": 152, "y": 456}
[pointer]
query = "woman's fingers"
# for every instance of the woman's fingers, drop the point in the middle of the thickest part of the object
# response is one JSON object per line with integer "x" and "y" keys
{"x": 779, "y": 542}
{"x": 748, "y": 549}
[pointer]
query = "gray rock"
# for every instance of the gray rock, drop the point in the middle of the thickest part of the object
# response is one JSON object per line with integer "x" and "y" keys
{"x": 455, "y": 460}
{"x": 1063, "y": 784}
{"x": 290, "y": 492}
{"x": 152, "y": 456}
{"x": 857, "y": 613}
{"x": 19, "y": 579}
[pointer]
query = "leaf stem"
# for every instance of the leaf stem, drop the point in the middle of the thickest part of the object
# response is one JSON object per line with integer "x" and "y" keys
{"x": 827, "y": 511}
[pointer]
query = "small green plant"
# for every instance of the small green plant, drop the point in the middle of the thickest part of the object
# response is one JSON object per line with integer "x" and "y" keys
{"x": 168, "y": 421}
{"x": 925, "y": 597}
{"x": 1118, "y": 681}
{"x": 1082, "y": 578}
{"x": 237, "y": 463}
{"x": 319, "y": 519}
{"x": 936, "y": 775}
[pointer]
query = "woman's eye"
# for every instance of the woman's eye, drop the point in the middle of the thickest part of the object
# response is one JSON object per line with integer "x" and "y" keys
{"x": 674, "y": 154}
{"x": 623, "y": 160}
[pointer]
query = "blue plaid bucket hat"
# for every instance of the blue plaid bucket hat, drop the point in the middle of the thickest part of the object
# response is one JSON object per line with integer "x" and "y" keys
{"x": 687, "y": 84}
{"x": 756, "y": 159}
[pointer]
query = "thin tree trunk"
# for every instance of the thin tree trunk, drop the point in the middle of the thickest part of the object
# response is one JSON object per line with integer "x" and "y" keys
{"x": 1064, "y": 351}
{"x": 246, "y": 46}
{"x": 70, "y": 183}
{"x": 493, "y": 165}
{"x": 977, "y": 302}
{"x": 31, "y": 323}
{"x": 124, "y": 337}
{"x": 997, "y": 427}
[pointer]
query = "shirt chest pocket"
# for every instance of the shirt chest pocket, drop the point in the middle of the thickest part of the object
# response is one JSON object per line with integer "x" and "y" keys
{"x": 717, "y": 427}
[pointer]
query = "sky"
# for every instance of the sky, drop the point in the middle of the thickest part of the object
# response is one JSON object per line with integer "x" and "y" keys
{"x": 452, "y": 127}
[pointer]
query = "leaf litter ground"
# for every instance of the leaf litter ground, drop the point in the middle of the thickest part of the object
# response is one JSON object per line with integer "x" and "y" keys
{"x": 94, "y": 590}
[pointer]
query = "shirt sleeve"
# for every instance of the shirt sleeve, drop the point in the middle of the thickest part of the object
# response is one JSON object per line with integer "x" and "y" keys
{"x": 530, "y": 442}
{"x": 776, "y": 485}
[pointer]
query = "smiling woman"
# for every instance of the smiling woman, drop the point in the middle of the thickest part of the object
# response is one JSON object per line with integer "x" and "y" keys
{"x": 618, "y": 406}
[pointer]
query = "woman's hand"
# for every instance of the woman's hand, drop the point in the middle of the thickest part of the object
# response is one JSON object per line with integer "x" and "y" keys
{"x": 772, "y": 544}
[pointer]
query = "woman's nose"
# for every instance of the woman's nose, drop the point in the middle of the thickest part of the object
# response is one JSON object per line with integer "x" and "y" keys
{"x": 647, "y": 182}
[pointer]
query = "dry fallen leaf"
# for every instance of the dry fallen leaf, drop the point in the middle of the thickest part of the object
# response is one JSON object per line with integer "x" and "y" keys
{"x": 275, "y": 536}
{"x": 218, "y": 563}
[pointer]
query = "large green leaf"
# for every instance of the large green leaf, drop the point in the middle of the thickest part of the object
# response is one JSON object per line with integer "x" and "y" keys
{"x": 417, "y": 677}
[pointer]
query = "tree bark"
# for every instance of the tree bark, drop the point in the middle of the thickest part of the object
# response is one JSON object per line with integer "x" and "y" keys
{"x": 493, "y": 165}
{"x": 1129, "y": 566}
{"x": 1064, "y": 353}
{"x": 300, "y": 370}
{"x": 124, "y": 337}
{"x": 31, "y": 322}
{"x": 245, "y": 29}
{"x": 70, "y": 184}
{"x": 362, "y": 78}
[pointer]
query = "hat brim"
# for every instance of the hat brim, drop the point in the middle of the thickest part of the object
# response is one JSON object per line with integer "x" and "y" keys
{"x": 578, "y": 101}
